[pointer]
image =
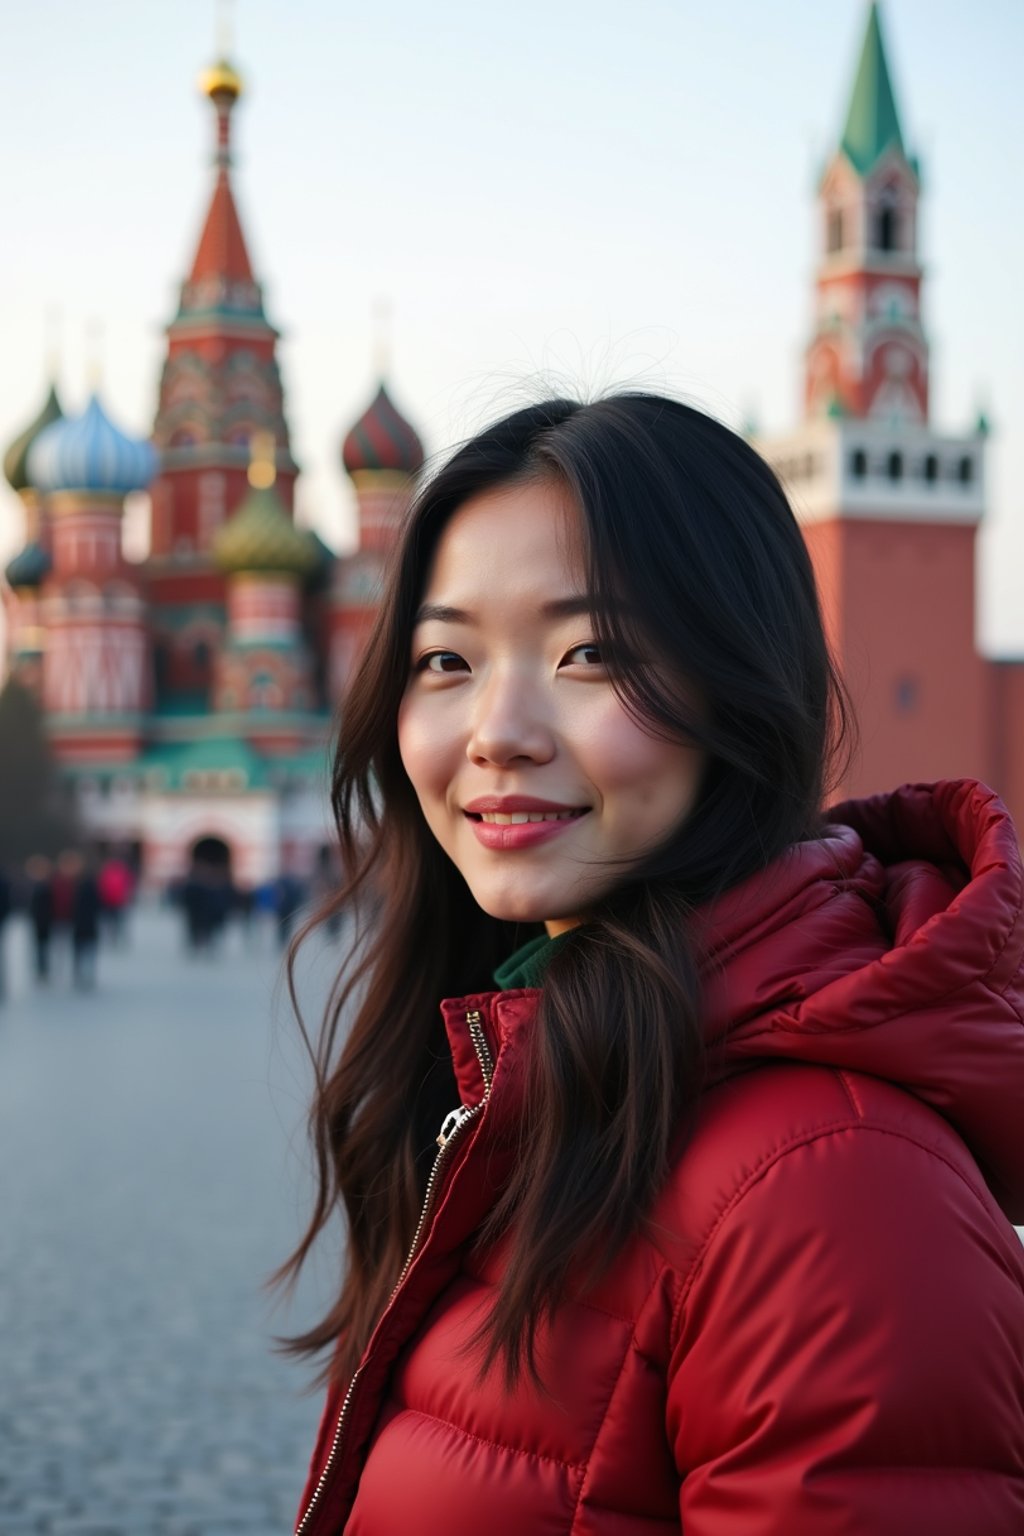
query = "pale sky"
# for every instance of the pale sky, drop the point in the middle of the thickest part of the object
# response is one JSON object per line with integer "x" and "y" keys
{"x": 571, "y": 193}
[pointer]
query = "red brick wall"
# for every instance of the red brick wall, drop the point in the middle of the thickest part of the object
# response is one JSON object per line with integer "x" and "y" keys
{"x": 898, "y": 599}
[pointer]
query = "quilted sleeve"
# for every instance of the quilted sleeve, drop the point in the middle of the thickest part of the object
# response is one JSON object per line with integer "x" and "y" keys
{"x": 848, "y": 1353}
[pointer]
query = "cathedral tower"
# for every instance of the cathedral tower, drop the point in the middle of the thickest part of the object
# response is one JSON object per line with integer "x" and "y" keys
{"x": 220, "y": 386}
{"x": 263, "y": 678}
{"x": 30, "y": 566}
{"x": 382, "y": 454}
{"x": 95, "y": 661}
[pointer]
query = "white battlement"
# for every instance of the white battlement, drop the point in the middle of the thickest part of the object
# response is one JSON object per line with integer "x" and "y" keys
{"x": 873, "y": 469}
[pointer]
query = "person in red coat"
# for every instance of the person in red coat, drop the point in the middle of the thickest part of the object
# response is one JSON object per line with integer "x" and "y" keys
{"x": 690, "y": 1208}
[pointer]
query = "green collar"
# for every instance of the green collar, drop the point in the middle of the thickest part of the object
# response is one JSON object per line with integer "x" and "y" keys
{"x": 526, "y": 967}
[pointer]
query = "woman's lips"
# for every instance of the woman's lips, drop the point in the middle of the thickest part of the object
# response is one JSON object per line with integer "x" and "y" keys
{"x": 521, "y": 829}
{"x": 504, "y": 805}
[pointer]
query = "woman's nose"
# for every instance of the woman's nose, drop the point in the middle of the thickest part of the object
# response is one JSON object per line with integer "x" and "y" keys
{"x": 508, "y": 724}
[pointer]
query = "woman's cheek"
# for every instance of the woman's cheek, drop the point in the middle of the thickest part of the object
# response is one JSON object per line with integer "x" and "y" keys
{"x": 426, "y": 743}
{"x": 615, "y": 752}
{"x": 413, "y": 740}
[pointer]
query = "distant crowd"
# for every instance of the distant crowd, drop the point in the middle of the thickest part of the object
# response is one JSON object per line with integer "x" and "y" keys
{"x": 77, "y": 901}
{"x": 207, "y": 899}
{"x": 69, "y": 901}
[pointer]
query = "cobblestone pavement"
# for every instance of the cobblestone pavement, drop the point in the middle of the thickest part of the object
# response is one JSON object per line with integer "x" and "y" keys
{"x": 153, "y": 1170}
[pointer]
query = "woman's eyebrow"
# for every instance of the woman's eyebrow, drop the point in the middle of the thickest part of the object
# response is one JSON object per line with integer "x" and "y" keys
{"x": 568, "y": 607}
{"x": 443, "y": 614}
{"x": 558, "y": 608}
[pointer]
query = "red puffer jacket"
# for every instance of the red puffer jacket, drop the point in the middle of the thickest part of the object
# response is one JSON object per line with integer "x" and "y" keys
{"x": 822, "y": 1331}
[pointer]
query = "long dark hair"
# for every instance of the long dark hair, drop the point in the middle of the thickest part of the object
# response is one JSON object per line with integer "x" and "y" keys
{"x": 696, "y": 563}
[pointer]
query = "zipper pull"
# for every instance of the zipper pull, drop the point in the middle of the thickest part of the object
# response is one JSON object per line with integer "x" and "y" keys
{"x": 451, "y": 1124}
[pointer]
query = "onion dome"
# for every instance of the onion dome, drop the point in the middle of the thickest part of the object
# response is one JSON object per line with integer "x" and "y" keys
{"x": 382, "y": 439}
{"x": 262, "y": 537}
{"x": 221, "y": 79}
{"x": 28, "y": 568}
{"x": 88, "y": 453}
{"x": 16, "y": 457}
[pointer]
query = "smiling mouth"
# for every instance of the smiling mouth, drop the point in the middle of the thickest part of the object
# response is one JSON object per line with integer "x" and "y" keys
{"x": 519, "y": 818}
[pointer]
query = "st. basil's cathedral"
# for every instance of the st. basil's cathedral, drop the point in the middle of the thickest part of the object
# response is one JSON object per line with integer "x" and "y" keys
{"x": 190, "y": 699}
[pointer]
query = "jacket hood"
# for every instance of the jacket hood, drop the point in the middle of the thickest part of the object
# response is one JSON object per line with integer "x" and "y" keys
{"x": 893, "y": 946}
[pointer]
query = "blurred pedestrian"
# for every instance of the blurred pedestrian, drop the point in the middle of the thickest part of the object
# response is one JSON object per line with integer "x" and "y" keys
{"x": 62, "y": 888}
{"x": 244, "y": 903}
{"x": 39, "y": 873}
{"x": 205, "y": 896}
{"x": 85, "y": 925}
{"x": 326, "y": 884}
{"x": 5, "y": 912}
{"x": 192, "y": 896}
{"x": 220, "y": 899}
{"x": 289, "y": 894}
{"x": 116, "y": 887}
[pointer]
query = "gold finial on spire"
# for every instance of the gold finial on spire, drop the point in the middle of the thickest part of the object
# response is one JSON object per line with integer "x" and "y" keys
{"x": 222, "y": 79}
{"x": 262, "y": 464}
{"x": 382, "y": 313}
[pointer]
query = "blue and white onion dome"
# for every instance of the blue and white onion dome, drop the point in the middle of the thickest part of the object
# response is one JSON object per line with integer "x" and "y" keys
{"x": 88, "y": 453}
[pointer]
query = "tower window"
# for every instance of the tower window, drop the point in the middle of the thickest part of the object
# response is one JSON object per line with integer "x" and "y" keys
{"x": 835, "y": 229}
{"x": 858, "y": 463}
{"x": 931, "y": 469}
{"x": 965, "y": 470}
{"x": 888, "y": 229}
{"x": 895, "y": 466}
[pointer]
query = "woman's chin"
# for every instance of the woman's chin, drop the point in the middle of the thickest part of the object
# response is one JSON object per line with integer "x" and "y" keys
{"x": 520, "y": 906}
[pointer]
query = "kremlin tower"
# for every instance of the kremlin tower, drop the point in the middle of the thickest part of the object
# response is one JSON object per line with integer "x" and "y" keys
{"x": 868, "y": 356}
{"x": 889, "y": 504}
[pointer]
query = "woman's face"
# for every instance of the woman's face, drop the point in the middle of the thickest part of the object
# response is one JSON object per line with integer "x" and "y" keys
{"x": 528, "y": 769}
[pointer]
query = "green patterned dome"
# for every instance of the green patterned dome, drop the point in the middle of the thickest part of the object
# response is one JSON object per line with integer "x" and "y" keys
{"x": 16, "y": 457}
{"x": 262, "y": 537}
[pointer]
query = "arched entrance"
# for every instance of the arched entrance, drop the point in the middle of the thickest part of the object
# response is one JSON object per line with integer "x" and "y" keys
{"x": 213, "y": 853}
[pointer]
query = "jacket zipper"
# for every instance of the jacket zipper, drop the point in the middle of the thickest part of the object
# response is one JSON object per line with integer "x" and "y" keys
{"x": 450, "y": 1129}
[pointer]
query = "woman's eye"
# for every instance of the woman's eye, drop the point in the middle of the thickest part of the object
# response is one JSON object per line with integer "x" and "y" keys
{"x": 440, "y": 662}
{"x": 588, "y": 655}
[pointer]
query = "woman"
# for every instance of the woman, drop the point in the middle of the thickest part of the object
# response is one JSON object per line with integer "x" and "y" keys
{"x": 713, "y": 1236}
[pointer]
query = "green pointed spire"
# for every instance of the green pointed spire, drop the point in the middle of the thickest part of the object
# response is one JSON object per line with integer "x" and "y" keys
{"x": 872, "y": 122}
